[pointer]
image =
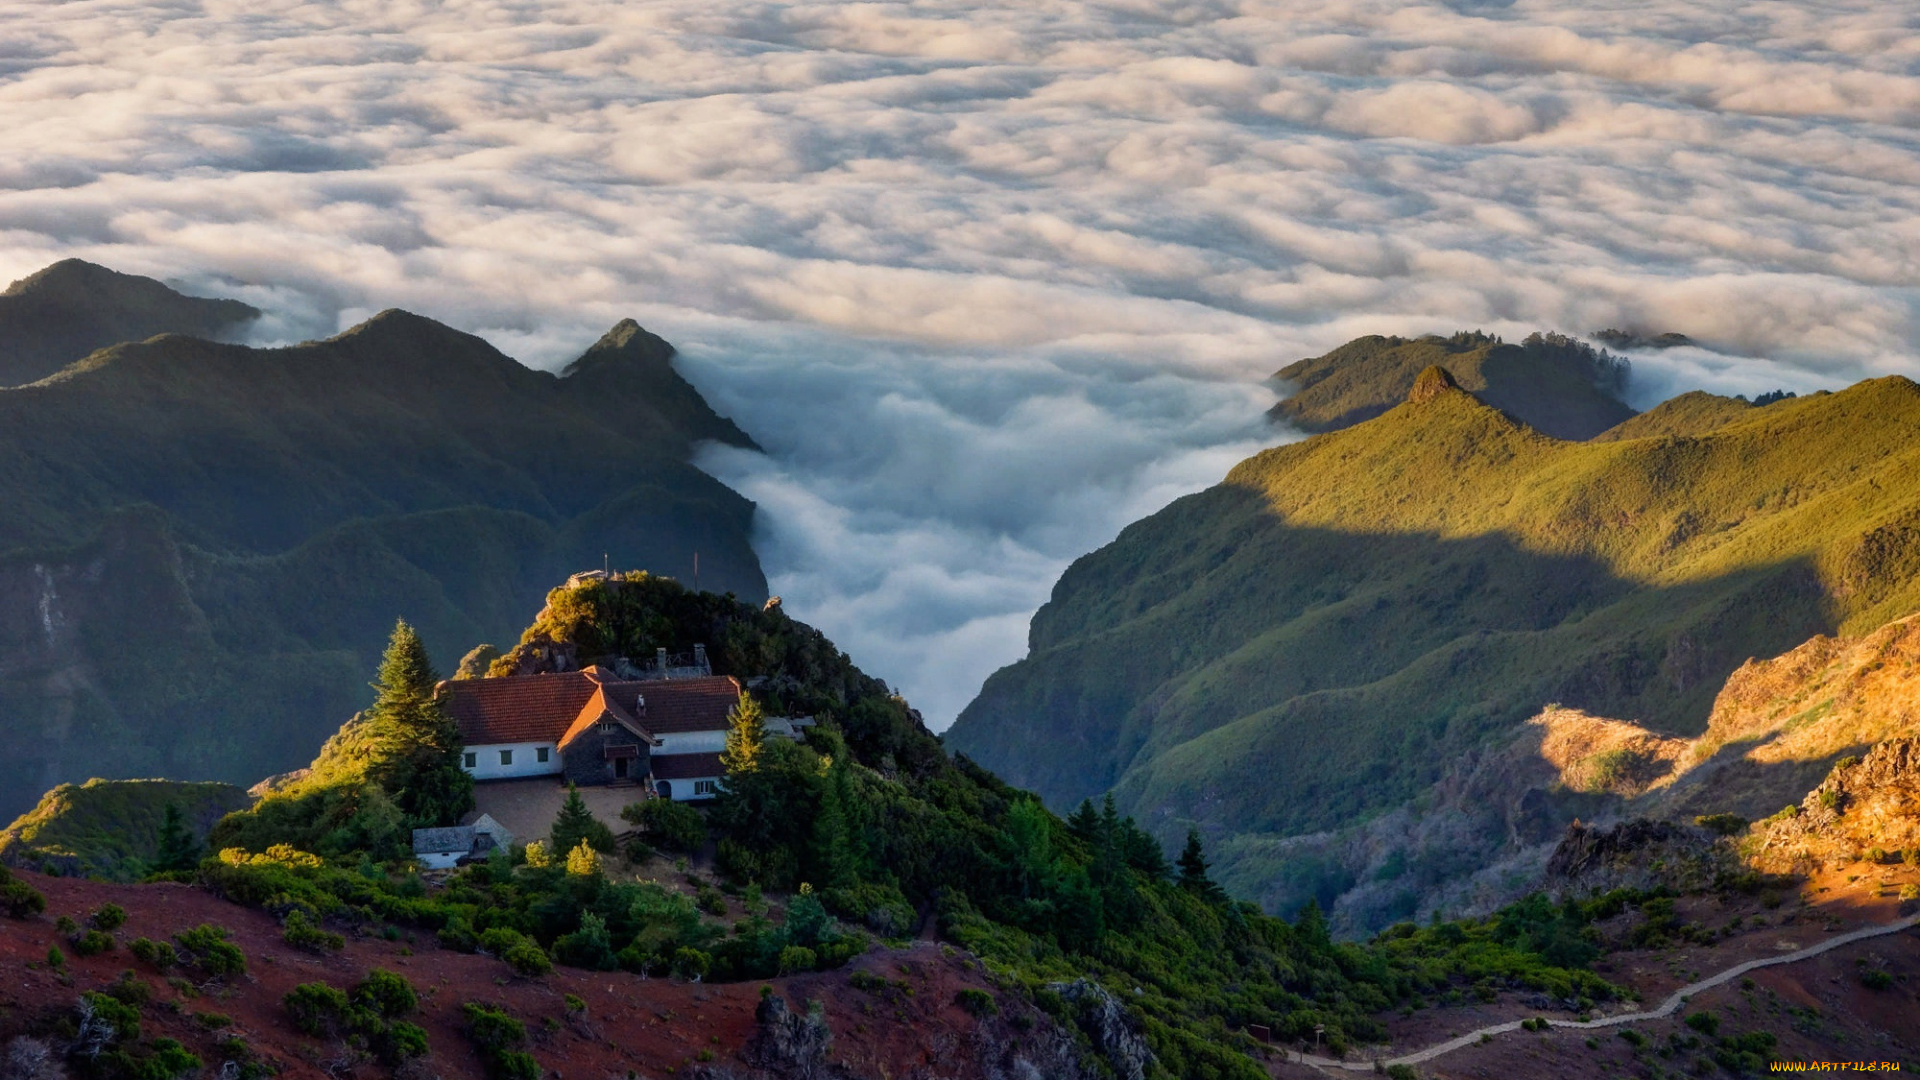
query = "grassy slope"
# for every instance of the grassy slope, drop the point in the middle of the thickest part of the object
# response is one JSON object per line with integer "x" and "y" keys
{"x": 206, "y": 545}
{"x": 1556, "y": 387}
{"x": 1314, "y": 639}
{"x": 1693, "y": 413}
{"x": 110, "y": 828}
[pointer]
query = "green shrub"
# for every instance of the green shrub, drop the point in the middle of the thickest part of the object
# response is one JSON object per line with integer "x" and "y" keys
{"x": 387, "y": 994}
{"x": 119, "y": 1021}
{"x": 207, "y": 948}
{"x": 977, "y": 1002}
{"x": 92, "y": 943}
{"x": 1401, "y": 1072}
{"x": 497, "y": 1037}
{"x": 690, "y": 963}
{"x": 108, "y": 917}
{"x": 797, "y": 958}
{"x": 156, "y": 954}
{"x": 1632, "y": 1038}
{"x": 21, "y": 900}
{"x": 1705, "y": 1023}
{"x": 1723, "y": 824}
{"x": 668, "y": 824}
{"x": 301, "y": 933}
{"x": 317, "y": 1009}
{"x": 520, "y": 953}
{"x": 1876, "y": 979}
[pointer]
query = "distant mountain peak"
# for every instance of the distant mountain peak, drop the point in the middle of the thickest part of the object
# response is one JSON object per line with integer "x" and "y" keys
{"x": 627, "y": 341}
{"x": 73, "y": 308}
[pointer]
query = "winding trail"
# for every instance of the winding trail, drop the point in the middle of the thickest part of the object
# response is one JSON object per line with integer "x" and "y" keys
{"x": 1667, "y": 1008}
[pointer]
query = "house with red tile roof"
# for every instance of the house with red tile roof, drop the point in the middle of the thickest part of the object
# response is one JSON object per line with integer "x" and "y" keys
{"x": 591, "y": 728}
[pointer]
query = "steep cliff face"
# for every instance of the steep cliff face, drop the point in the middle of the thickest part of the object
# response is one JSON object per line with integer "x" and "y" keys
{"x": 1347, "y": 621}
{"x": 1866, "y": 807}
{"x": 206, "y": 545}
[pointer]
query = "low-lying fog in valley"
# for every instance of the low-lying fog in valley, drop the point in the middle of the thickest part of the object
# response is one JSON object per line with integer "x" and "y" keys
{"x": 989, "y": 280}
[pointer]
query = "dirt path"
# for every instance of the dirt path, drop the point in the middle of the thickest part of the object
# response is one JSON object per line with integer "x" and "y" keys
{"x": 1667, "y": 1008}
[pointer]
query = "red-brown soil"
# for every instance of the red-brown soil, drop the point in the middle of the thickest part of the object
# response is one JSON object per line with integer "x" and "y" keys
{"x": 633, "y": 1025}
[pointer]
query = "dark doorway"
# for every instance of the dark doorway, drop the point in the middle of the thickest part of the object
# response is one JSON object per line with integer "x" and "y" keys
{"x": 620, "y": 768}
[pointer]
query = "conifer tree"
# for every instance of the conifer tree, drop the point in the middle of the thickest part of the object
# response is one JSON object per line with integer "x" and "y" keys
{"x": 746, "y": 736}
{"x": 832, "y": 829}
{"x": 1193, "y": 871}
{"x": 177, "y": 849}
{"x": 576, "y": 825}
{"x": 1085, "y": 822}
{"x": 416, "y": 745}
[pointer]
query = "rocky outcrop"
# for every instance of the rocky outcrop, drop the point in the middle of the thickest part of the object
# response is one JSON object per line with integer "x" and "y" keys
{"x": 1865, "y": 805}
{"x": 1114, "y": 1033}
{"x": 789, "y": 1044}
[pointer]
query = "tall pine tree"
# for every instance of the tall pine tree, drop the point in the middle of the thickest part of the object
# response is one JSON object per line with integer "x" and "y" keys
{"x": 416, "y": 746}
{"x": 177, "y": 849}
{"x": 746, "y": 736}
{"x": 1193, "y": 871}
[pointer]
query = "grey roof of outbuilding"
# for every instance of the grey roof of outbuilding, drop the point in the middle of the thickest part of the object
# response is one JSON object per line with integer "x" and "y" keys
{"x": 451, "y": 840}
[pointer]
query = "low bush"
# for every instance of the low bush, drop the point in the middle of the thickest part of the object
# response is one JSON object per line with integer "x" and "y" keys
{"x": 156, "y": 954}
{"x": 92, "y": 943}
{"x": 301, "y": 933}
{"x": 519, "y": 952}
{"x": 498, "y": 1038}
{"x": 207, "y": 948}
{"x": 668, "y": 824}
{"x": 108, "y": 917}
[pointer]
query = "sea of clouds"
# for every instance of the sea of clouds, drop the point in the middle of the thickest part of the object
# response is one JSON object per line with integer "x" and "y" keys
{"x": 990, "y": 279}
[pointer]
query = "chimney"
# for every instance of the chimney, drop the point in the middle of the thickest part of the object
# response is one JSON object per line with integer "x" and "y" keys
{"x": 660, "y": 661}
{"x": 640, "y": 706}
{"x": 700, "y": 657}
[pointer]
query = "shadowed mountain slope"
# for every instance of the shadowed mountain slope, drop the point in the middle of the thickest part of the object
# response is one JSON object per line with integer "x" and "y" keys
{"x": 56, "y": 316}
{"x": 206, "y": 545}
{"x": 1554, "y": 384}
{"x": 1313, "y": 641}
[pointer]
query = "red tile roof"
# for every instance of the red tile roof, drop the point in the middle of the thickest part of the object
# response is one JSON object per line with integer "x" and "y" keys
{"x": 520, "y": 709}
{"x": 548, "y": 708}
{"x": 686, "y": 766}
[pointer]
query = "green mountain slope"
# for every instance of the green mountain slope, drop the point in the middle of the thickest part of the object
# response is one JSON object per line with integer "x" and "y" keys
{"x": 112, "y": 828}
{"x": 206, "y": 544}
{"x": 1317, "y": 639}
{"x": 1556, "y": 385}
{"x": 1695, "y": 412}
{"x": 54, "y": 317}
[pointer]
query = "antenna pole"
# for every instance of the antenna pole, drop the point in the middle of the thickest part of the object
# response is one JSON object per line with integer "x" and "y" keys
{"x": 696, "y": 571}
{"x": 606, "y": 565}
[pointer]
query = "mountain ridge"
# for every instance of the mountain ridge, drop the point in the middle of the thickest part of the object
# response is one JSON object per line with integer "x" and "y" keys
{"x": 206, "y": 541}
{"x": 65, "y": 311}
{"x": 1307, "y": 643}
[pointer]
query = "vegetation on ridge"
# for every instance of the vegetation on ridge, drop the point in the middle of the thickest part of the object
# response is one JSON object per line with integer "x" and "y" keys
{"x": 867, "y": 820}
{"x": 1313, "y": 641}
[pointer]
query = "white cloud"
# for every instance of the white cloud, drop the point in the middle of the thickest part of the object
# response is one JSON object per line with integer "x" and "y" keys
{"x": 991, "y": 278}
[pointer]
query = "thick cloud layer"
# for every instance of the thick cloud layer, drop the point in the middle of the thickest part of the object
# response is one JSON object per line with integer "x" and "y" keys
{"x": 990, "y": 279}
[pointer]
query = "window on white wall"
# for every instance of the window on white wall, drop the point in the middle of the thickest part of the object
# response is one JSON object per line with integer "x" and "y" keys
{"x": 705, "y": 787}
{"x": 472, "y": 759}
{"x": 540, "y": 755}
{"x": 506, "y": 757}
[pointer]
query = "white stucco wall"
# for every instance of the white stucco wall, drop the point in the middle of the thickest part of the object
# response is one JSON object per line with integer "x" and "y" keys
{"x": 440, "y": 860}
{"x": 526, "y": 761}
{"x": 691, "y": 742}
{"x": 682, "y": 790}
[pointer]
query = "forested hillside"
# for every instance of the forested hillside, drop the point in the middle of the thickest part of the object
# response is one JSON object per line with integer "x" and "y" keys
{"x": 1320, "y": 638}
{"x": 205, "y": 545}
